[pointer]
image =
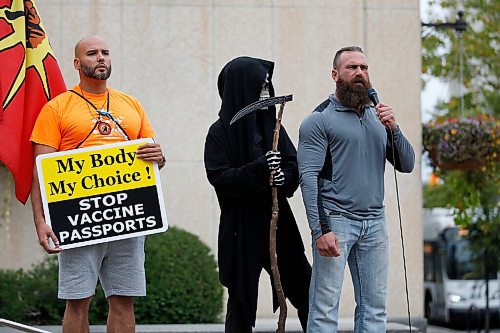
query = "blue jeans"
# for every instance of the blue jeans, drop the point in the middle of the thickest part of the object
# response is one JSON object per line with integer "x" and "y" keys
{"x": 365, "y": 246}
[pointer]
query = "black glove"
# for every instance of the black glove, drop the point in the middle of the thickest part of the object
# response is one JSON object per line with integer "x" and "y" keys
{"x": 277, "y": 178}
{"x": 273, "y": 160}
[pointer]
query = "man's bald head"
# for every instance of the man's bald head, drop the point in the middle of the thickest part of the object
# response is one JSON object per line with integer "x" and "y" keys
{"x": 80, "y": 45}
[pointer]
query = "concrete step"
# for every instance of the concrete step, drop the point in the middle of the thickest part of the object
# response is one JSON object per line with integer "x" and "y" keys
{"x": 262, "y": 326}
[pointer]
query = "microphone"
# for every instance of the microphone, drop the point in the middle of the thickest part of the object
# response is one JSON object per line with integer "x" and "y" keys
{"x": 372, "y": 95}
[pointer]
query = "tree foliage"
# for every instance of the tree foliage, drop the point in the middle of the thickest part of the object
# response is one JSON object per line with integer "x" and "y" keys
{"x": 481, "y": 46}
{"x": 474, "y": 194}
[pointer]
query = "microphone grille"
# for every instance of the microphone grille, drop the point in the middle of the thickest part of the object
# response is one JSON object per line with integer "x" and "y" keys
{"x": 372, "y": 94}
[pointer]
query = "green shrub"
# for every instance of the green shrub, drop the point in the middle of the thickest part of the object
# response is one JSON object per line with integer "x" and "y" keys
{"x": 13, "y": 303}
{"x": 41, "y": 286}
{"x": 31, "y": 296}
{"x": 182, "y": 285}
{"x": 182, "y": 281}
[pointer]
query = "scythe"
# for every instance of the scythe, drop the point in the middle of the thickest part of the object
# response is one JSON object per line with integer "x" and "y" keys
{"x": 274, "y": 217}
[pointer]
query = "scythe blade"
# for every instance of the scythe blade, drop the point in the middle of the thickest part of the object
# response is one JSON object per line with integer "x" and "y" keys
{"x": 263, "y": 103}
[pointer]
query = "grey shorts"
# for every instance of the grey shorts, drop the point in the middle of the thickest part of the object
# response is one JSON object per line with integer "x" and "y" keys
{"x": 119, "y": 266}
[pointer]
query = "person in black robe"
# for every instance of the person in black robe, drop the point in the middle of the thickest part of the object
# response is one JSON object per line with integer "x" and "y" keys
{"x": 239, "y": 163}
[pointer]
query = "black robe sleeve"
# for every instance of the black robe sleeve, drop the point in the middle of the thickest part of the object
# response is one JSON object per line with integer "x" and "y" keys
{"x": 251, "y": 179}
{"x": 246, "y": 180}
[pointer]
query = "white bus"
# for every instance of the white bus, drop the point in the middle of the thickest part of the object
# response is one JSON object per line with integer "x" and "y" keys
{"x": 453, "y": 293}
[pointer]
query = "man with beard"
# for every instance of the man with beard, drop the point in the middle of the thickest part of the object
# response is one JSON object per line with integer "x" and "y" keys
{"x": 343, "y": 146}
{"x": 93, "y": 114}
{"x": 242, "y": 168}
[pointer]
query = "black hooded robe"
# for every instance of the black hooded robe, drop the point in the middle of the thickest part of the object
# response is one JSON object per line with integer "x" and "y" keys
{"x": 237, "y": 168}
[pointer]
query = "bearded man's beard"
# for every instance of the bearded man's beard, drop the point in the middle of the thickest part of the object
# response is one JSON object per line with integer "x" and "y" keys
{"x": 90, "y": 72}
{"x": 352, "y": 94}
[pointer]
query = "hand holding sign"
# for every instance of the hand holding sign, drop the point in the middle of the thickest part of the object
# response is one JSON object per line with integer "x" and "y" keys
{"x": 44, "y": 232}
{"x": 151, "y": 152}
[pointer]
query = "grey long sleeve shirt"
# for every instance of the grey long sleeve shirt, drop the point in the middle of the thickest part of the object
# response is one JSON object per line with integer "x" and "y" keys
{"x": 341, "y": 157}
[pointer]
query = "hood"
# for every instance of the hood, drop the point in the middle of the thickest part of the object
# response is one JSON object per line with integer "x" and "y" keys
{"x": 240, "y": 83}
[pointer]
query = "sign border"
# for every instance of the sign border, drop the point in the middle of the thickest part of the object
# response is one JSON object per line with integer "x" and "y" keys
{"x": 156, "y": 172}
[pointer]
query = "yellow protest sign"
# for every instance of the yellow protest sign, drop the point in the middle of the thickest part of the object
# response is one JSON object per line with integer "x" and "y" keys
{"x": 103, "y": 193}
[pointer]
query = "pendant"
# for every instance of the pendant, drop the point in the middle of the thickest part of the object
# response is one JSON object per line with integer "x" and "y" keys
{"x": 104, "y": 128}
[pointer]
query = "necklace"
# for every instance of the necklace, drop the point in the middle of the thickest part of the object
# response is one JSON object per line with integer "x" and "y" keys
{"x": 103, "y": 127}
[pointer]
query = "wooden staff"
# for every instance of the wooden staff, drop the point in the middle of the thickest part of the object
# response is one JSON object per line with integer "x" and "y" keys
{"x": 258, "y": 105}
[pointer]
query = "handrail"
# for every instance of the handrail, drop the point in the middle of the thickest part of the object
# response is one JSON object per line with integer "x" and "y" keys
{"x": 21, "y": 327}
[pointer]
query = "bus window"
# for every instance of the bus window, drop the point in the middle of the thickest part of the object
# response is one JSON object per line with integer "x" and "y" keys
{"x": 460, "y": 264}
{"x": 429, "y": 262}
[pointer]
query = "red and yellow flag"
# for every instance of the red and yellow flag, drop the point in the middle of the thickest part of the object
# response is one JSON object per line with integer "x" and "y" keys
{"x": 29, "y": 77}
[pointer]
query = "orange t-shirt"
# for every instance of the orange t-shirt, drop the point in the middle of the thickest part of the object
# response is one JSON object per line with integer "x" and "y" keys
{"x": 65, "y": 121}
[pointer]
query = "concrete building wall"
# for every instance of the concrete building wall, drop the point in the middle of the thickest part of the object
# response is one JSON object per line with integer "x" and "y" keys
{"x": 168, "y": 54}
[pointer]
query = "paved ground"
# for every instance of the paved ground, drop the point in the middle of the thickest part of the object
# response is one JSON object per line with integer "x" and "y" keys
{"x": 262, "y": 326}
{"x": 439, "y": 329}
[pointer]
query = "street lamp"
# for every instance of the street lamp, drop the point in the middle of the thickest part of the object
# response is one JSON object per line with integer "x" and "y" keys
{"x": 459, "y": 26}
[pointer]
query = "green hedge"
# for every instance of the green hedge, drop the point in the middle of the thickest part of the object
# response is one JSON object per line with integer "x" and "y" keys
{"x": 31, "y": 296}
{"x": 182, "y": 284}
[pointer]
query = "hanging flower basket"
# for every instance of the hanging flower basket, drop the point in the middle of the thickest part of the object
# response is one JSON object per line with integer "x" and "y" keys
{"x": 466, "y": 144}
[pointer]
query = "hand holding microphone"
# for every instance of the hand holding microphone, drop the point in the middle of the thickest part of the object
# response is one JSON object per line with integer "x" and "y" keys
{"x": 384, "y": 112}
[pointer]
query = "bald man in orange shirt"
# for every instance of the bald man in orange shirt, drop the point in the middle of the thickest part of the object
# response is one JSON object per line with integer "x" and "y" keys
{"x": 92, "y": 114}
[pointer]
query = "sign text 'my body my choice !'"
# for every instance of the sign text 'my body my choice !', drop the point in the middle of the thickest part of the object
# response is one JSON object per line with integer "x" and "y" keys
{"x": 92, "y": 181}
